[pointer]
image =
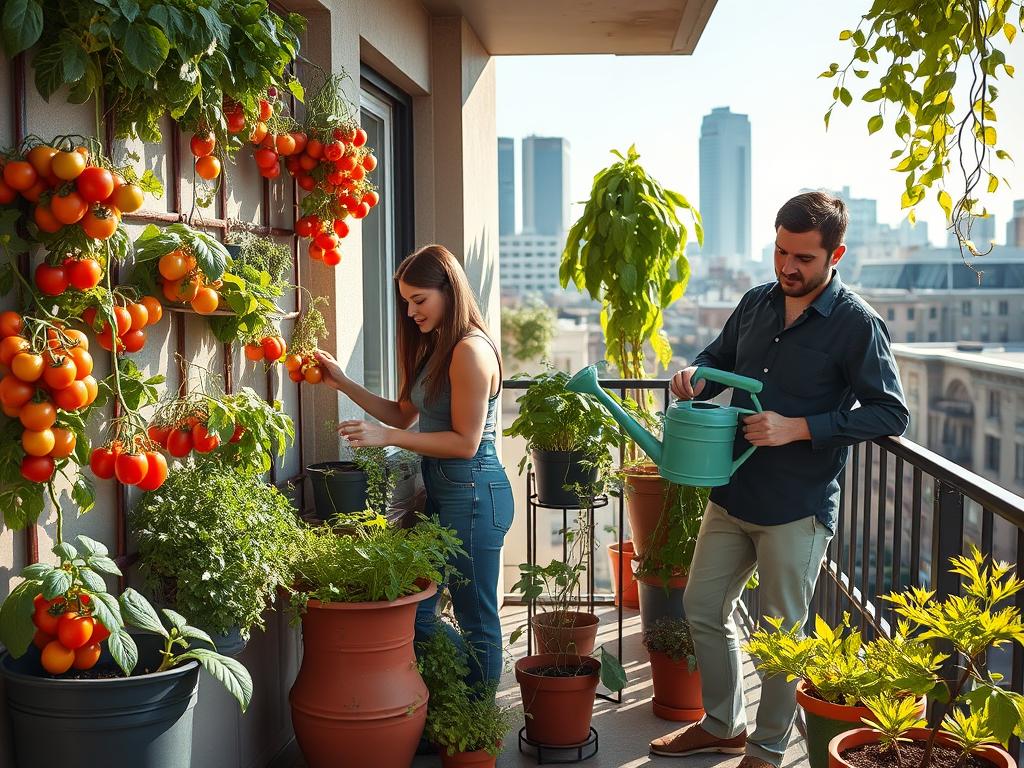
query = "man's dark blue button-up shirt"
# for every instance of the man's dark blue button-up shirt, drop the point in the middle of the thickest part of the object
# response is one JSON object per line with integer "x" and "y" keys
{"x": 834, "y": 356}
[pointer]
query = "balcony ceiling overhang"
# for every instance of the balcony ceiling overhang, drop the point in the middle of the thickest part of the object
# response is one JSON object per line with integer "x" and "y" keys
{"x": 540, "y": 27}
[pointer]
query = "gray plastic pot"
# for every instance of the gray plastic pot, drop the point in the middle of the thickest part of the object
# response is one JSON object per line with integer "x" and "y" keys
{"x": 339, "y": 487}
{"x": 144, "y": 721}
{"x": 230, "y": 644}
{"x": 660, "y": 601}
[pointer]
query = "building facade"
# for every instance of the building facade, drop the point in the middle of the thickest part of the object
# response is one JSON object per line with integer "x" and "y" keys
{"x": 545, "y": 185}
{"x": 529, "y": 264}
{"x": 506, "y": 186}
{"x": 725, "y": 192}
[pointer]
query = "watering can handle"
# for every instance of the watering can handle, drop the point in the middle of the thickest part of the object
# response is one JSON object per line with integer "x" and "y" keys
{"x": 734, "y": 380}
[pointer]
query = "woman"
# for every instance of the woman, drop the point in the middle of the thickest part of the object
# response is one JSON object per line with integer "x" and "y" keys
{"x": 450, "y": 380}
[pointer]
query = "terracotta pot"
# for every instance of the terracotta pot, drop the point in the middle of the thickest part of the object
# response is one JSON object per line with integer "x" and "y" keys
{"x": 558, "y": 709}
{"x": 997, "y": 756}
{"x": 481, "y": 758}
{"x": 676, "y": 689}
{"x": 824, "y": 720}
{"x": 358, "y": 692}
{"x": 629, "y": 596}
{"x": 565, "y": 632}
{"x": 646, "y": 499}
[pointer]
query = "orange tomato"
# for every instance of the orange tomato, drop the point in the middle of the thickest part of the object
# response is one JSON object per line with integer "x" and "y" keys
{"x": 153, "y": 307}
{"x": 10, "y": 324}
{"x": 38, "y": 443}
{"x": 92, "y": 389}
{"x": 208, "y": 167}
{"x": 68, "y": 165}
{"x": 38, "y": 415}
{"x": 254, "y": 352}
{"x": 58, "y": 370}
{"x": 41, "y": 158}
{"x": 127, "y": 198}
{"x": 45, "y": 220}
{"x": 205, "y": 301}
{"x": 27, "y": 366}
{"x": 14, "y": 392}
{"x": 56, "y": 658}
{"x": 314, "y": 375}
{"x": 74, "y": 396}
{"x": 64, "y": 441}
{"x": 11, "y": 346}
{"x": 87, "y": 656}
{"x": 100, "y": 222}
{"x": 83, "y": 361}
{"x": 173, "y": 265}
{"x": 139, "y": 315}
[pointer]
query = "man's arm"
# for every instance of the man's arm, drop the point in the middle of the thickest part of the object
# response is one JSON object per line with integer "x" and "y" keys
{"x": 721, "y": 353}
{"x": 871, "y": 370}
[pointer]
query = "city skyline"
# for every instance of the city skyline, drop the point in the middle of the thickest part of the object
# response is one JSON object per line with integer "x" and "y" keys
{"x": 725, "y": 186}
{"x": 762, "y": 60}
{"x": 545, "y": 184}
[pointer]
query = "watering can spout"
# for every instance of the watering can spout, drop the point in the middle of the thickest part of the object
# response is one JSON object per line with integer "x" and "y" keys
{"x": 585, "y": 381}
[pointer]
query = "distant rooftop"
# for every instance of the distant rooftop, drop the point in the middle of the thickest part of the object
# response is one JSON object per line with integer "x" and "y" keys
{"x": 943, "y": 269}
{"x": 1002, "y": 358}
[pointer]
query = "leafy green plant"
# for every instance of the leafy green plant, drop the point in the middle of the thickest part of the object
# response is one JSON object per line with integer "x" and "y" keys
{"x": 924, "y": 50}
{"x": 149, "y": 59}
{"x": 893, "y": 717}
{"x": 628, "y": 251}
{"x": 210, "y": 255}
{"x": 671, "y": 636}
{"x": 460, "y": 717}
{"x": 526, "y": 332}
{"x": 77, "y": 584}
{"x": 840, "y": 667}
{"x": 360, "y": 558}
{"x": 380, "y": 481}
{"x": 677, "y": 528}
{"x": 216, "y": 542}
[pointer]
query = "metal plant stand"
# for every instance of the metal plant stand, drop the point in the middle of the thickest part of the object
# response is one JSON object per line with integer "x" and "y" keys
{"x": 548, "y": 755}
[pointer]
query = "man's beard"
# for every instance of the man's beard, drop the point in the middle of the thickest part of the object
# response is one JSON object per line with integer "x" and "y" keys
{"x": 803, "y": 287}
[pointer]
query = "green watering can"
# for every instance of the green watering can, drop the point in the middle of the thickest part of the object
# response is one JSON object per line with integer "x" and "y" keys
{"x": 699, "y": 436}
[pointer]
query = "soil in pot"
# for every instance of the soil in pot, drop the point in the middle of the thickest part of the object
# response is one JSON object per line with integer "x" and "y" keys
{"x": 628, "y": 595}
{"x": 553, "y": 470}
{"x": 859, "y": 748}
{"x": 647, "y": 497}
{"x": 558, "y": 697}
{"x": 565, "y": 632}
{"x": 339, "y": 487}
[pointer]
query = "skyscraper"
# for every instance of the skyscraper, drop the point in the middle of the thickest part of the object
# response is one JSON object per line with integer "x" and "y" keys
{"x": 1015, "y": 226}
{"x": 725, "y": 186}
{"x": 545, "y": 185}
{"x": 506, "y": 186}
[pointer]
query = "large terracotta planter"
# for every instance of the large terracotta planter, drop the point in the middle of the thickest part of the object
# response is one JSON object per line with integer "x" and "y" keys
{"x": 558, "y": 709}
{"x": 358, "y": 692}
{"x": 565, "y": 632}
{"x": 860, "y": 736}
{"x": 824, "y": 720}
{"x": 627, "y": 594}
{"x": 647, "y": 495}
{"x": 481, "y": 758}
{"x": 676, "y": 689}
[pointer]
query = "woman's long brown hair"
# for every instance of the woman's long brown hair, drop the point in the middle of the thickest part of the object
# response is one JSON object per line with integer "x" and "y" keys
{"x": 434, "y": 266}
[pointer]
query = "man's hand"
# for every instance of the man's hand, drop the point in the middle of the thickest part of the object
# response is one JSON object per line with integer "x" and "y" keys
{"x": 681, "y": 386}
{"x": 362, "y": 434}
{"x": 770, "y": 428}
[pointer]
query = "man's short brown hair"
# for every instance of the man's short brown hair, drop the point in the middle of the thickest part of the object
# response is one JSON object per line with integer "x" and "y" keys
{"x": 816, "y": 211}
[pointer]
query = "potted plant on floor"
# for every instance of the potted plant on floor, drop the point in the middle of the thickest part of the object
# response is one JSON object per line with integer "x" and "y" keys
{"x": 628, "y": 251}
{"x": 674, "y": 671}
{"x": 977, "y": 713}
{"x": 131, "y": 701}
{"x": 663, "y": 569}
{"x": 837, "y": 671}
{"x": 358, "y": 584}
{"x": 621, "y": 566}
{"x": 344, "y": 487}
{"x": 465, "y": 722}
{"x": 569, "y": 437}
{"x": 216, "y": 543}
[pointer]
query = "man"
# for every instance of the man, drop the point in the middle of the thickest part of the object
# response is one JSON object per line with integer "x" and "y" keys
{"x": 819, "y": 349}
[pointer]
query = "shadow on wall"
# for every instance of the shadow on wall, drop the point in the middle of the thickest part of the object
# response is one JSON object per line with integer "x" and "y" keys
{"x": 482, "y": 270}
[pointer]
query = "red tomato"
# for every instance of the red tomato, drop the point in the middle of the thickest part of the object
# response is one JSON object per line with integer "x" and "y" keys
{"x": 130, "y": 467}
{"x": 11, "y": 324}
{"x": 315, "y": 149}
{"x": 295, "y": 376}
{"x": 124, "y": 320}
{"x": 99, "y": 633}
{"x": 158, "y": 434}
{"x": 40, "y": 640}
{"x": 253, "y": 352}
{"x": 204, "y": 441}
{"x": 326, "y": 240}
{"x": 156, "y": 471}
{"x": 51, "y": 280}
{"x": 95, "y": 184}
{"x": 87, "y": 656}
{"x": 371, "y": 198}
{"x": 20, "y": 175}
{"x": 99, "y": 223}
{"x": 37, "y": 469}
{"x": 74, "y": 630}
{"x": 179, "y": 443}
{"x": 134, "y": 340}
{"x": 84, "y": 274}
{"x": 332, "y": 258}
{"x": 307, "y": 226}
{"x": 7, "y": 195}
{"x": 237, "y": 434}
{"x": 69, "y": 208}
{"x": 58, "y": 370}
{"x": 360, "y": 138}
{"x": 74, "y": 396}
{"x": 202, "y": 144}
{"x": 265, "y": 157}
{"x": 369, "y": 162}
{"x": 101, "y": 462}
{"x": 273, "y": 347}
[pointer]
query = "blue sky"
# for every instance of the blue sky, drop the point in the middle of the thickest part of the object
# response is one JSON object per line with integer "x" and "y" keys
{"x": 761, "y": 59}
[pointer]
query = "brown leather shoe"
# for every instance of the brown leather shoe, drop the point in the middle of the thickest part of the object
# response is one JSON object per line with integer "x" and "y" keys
{"x": 750, "y": 761}
{"x": 693, "y": 739}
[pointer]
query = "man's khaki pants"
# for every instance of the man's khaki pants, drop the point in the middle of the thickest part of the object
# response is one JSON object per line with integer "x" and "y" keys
{"x": 788, "y": 558}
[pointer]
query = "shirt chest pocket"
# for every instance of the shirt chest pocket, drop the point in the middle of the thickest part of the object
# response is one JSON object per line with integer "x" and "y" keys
{"x": 807, "y": 373}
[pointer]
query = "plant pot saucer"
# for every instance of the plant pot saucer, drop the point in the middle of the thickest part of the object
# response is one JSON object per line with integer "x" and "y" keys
{"x": 677, "y": 714}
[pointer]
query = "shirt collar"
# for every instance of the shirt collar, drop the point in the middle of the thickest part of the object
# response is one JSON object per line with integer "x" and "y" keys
{"x": 826, "y": 299}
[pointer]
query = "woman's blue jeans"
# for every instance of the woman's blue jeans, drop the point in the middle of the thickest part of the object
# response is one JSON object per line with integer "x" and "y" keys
{"x": 474, "y": 498}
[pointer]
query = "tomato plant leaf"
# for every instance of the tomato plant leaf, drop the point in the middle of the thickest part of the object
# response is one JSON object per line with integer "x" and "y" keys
{"x": 36, "y": 571}
{"x": 65, "y": 551}
{"x": 210, "y": 254}
{"x": 83, "y": 492}
{"x": 122, "y": 647}
{"x": 106, "y": 609}
{"x": 90, "y": 547}
{"x": 139, "y": 613}
{"x": 57, "y": 582}
{"x": 146, "y": 47}
{"x": 229, "y": 672}
{"x": 22, "y": 25}
{"x": 16, "y": 627}
{"x": 92, "y": 580}
{"x": 194, "y": 633}
{"x": 103, "y": 564}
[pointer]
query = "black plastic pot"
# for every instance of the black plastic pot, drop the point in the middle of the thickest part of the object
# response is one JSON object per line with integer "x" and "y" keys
{"x": 338, "y": 487}
{"x": 660, "y": 601}
{"x": 230, "y": 644}
{"x": 234, "y": 250}
{"x": 554, "y": 470}
{"x": 144, "y": 721}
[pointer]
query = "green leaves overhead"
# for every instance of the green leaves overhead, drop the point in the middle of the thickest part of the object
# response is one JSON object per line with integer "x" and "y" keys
{"x": 628, "y": 252}
{"x": 937, "y": 65}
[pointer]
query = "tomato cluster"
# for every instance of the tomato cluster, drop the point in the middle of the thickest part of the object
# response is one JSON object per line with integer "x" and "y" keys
{"x": 130, "y": 322}
{"x": 68, "y": 636}
{"x": 68, "y": 190}
{"x": 303, "y": 368}
{"x": 131, "y": 465}
{"x": 269, "y": 348}
{"x": 184, "y": 283}
{"x": 38, "y": 382}
{"x": 191, "y": 434}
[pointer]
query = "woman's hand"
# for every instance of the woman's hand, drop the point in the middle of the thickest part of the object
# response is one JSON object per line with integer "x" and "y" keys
{"x": 334, "y": 376}
{"x": 362, "y": 434}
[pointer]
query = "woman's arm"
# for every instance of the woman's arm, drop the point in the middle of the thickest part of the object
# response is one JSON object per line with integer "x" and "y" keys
{"x": 471, "y": 371}
{"x": 396, "y": 413}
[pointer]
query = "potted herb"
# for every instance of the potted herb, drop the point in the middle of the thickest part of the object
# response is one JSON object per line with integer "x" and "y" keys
{"x": 216, "y": 543}
{"x": 343, "y": 487}
{"x": 252, "y": 283}
{"x": 674, "y": 671}
{"x": 628, "y": 251}
{"x": 663, "y": 570}
{"x": 976, "y": 714}
{"x": 568, "y": 436}
{"x": 837, "y": 672}
{"x": 72, "y": 665}
{"x": 464, "y": 721}
{"x": 358, "y": 583}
